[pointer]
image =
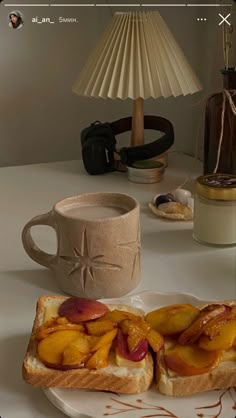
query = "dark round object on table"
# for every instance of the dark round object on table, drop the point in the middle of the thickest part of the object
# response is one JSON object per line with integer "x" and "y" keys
{"x": 164, "y": 198}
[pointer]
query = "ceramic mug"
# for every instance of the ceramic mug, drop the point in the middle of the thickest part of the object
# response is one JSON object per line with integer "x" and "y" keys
{"x": 98, "y": 244}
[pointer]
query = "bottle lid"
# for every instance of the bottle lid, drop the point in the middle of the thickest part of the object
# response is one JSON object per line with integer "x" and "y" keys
{"x": 217, "y": 186}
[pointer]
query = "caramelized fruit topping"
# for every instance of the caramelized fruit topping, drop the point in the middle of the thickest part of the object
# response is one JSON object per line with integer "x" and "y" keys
{"x": 190, "y": 360}
{"x": 77, "y": 309}
{"x": 172, "y": 319}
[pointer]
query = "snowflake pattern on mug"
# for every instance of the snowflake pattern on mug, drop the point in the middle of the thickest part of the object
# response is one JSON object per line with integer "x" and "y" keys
{"x": 86, "y": 264}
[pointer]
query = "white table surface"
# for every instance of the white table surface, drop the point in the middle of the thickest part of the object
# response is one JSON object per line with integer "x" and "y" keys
{"x": 171, "y": 259}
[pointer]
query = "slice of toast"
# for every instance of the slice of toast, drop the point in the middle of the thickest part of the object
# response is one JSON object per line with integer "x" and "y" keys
{"x": 112, "y": 378}
{"x": 222, "y": 377}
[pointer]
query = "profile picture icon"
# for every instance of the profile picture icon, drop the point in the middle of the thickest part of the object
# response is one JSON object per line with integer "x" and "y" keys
{"x": 15, "y": 19}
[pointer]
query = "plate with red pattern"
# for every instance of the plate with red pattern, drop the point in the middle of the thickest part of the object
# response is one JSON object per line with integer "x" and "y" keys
{"x": 79, "y": 403}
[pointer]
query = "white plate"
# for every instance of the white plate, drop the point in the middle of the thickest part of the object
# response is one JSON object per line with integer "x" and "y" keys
{"x": 79, "y": 403}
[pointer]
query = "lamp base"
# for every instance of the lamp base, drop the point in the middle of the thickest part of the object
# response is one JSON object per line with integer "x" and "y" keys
{"x": 137, "y": 133}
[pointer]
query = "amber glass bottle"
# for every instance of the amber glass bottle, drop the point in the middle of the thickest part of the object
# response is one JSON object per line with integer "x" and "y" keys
{"x": 221, "y": 129}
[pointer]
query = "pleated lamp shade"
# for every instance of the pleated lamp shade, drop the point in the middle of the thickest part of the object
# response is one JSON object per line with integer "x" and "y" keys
{"x": 137, "y": 57}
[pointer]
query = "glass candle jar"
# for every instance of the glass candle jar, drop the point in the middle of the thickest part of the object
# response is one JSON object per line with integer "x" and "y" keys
{"x": 214, "y": 220}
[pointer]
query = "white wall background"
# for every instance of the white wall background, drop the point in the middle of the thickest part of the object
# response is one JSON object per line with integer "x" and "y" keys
{"x": 40, "y": 117}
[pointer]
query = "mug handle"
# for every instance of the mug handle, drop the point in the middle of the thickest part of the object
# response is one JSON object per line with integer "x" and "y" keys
{"x": 33, "y": 251}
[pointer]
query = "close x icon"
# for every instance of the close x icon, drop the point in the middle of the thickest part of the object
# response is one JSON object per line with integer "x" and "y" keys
{"x": 224, "y": 19}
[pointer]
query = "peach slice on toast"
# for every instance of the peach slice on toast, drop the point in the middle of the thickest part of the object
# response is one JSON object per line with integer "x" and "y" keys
{"x": 56, "y": 324}
{"x": 192, "y": 333}
{"x": 134, "y": 332}
{"x": 100, "y": 358}
{"x": 105, "y": 340}
{"x": 77, "y": 309}
{"x": 116, "y": 316}
{"x": 99, "y": 327}
{"x": 76, "y": 353}
{"x": 172, "y": 319}
{"x": 50, "y": 349}
{"x": 155, "y": 340}
{"x": 222, "y": 339}
{"x": 138, "y": 331}
{"x": 190, "y": 360}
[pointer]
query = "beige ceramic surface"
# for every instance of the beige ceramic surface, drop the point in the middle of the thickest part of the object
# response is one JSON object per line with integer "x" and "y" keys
{"x": 98, "y": 252}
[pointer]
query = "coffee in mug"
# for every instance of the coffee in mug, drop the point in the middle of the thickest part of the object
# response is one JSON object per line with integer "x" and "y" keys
{"x": 98, "y": 244}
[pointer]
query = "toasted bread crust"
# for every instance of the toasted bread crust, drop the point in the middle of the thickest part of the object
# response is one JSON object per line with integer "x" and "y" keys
{"x": 222, "y": 377}
{"x": 80, "y": 378}
{"x": 89, "y": 379}
{"x": 219, "y": 378}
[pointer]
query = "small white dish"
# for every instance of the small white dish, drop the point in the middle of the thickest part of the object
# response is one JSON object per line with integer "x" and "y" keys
{"x": 180, "y": 209}
{"x": 77, "y": 403}
{"x": 174, "y": 216}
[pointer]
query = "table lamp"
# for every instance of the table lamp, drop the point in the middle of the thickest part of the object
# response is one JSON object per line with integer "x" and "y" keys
{"x": 138, "y": 58}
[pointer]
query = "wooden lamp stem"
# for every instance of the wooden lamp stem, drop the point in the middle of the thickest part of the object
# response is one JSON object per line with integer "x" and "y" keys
{"x": 137, "y": 134}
